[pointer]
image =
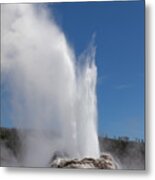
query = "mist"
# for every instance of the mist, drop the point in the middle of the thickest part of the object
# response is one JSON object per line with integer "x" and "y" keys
{"x": 52, "y": 92}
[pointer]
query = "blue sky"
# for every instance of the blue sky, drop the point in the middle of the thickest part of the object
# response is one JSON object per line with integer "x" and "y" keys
{"x": 119, "y": 29}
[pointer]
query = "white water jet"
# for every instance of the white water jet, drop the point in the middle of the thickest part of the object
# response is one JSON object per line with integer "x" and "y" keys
{"x": 53, "y": 95}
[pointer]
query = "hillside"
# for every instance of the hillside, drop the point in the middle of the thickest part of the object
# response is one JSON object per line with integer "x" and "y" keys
{"x": 129, "y": 154}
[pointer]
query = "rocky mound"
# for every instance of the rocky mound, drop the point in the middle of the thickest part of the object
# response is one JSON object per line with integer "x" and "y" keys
{"x": 104, "y": 162}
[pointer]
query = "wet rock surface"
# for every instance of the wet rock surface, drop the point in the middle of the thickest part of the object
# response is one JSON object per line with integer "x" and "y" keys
{"x": 105, "y": 161}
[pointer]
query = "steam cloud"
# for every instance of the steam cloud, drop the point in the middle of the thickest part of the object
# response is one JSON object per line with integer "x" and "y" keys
{"x": 53, "y": 95}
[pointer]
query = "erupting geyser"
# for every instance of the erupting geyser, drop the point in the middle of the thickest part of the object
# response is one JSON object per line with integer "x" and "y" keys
{"x": 52, "y": 94}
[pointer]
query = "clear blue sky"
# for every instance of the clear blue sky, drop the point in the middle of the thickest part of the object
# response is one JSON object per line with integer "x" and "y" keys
{"x": 119, "y": 28}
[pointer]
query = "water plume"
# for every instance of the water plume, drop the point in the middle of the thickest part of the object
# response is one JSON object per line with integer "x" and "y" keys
{"x": 52, "y": 93}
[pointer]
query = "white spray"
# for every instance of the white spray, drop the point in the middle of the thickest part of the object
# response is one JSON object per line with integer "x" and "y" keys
{"x": 53, "y": 95}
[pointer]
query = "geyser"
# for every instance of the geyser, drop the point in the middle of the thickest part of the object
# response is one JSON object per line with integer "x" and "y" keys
{"x": 52, "y": 93}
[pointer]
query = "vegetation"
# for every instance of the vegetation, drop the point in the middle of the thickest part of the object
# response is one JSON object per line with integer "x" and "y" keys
{"x": 10, "y": 138}
{"x": 130, "y": 154}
